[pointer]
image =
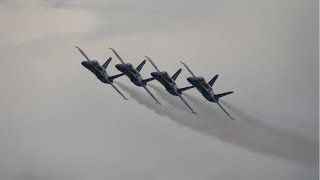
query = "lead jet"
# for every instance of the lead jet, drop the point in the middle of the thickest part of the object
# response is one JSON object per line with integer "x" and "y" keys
{"x": 169, "y": 82}
{"x": 100, "y": 71}
{"x": 206, "y": 88}
{"x": 134, "y": 74}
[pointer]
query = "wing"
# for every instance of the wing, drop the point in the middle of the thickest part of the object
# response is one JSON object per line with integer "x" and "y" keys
{"x": 187, "y": 104}
{"x": 118, "y": 56}
{"x": 118, "y": 91}
{"x": 225, "y": 111}
{"x": 84, "y": 54}
{"x": 151, "y": 94}
{"x": 153, "y": 64}
{"x": 188, "y": 68}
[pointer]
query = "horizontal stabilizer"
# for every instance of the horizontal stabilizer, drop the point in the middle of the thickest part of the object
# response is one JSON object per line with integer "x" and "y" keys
{"x": 174, "y": 77}
{"x": 185, "y": 88}
{"x": 223, "y": 94}
{"x": 147, "y": 80}
{"x": 211, "y": 82}
{"x": 105, "y": 65}
{"x": 116, "y": 76}
{"x": 141, "y": 66}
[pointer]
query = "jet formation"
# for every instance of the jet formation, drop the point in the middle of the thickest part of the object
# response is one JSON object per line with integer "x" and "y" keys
{"x": 168, "y": 82}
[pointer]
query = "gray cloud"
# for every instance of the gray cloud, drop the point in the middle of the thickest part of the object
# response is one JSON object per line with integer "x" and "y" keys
{"x": 117, "y": 18}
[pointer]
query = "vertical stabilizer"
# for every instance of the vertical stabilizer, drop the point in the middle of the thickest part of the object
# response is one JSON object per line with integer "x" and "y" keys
{"x": 105, "y": 65}
{"x": 174, "y": 77}
{"x": 141, "y": 66}
{"x": 211, "y": 82}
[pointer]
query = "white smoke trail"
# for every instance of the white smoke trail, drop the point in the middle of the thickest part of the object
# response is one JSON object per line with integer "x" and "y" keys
{"x": 246, "y": 131}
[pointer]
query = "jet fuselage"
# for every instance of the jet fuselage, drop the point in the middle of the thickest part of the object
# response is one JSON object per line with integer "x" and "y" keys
{"x": 97, "y": 70}
{"x": 131, "y": 73}
{"x": 167, "y": 82}
{"x": 203, "y": 87}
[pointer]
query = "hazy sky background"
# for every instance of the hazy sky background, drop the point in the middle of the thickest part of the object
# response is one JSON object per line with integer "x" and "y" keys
{"x": 58, "y": 121}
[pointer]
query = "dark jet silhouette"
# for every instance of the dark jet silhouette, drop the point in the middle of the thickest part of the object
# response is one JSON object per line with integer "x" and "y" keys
{"x": 206, "y": 88}
{"x": 100, "y": 71}
{"x": 169, "y": 82}
{"x": 134, "y": 74}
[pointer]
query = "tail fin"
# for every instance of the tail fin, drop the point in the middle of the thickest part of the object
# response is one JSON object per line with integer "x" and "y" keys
{"x": 141, "y": 65}
{"x": 185, "y": 88}
{"x": 105, "y": 65}
{"x": 211, "y": 82}
{"x": 174, "y": 77}
{"x": 223, "y": 94}
{"x": 147, "y": 80}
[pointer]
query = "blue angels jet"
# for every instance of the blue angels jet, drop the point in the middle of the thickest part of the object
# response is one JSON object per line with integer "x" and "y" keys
{"x": 100, "y": 71}
{"x": 169, "y": 82}
{"x": 134, "y": 74}
{"x": 205, "y": 88}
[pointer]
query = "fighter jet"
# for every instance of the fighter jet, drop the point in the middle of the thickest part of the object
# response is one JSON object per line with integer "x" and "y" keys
{"x": 205, "y": 88}
{"x": 169, "y": 82}
{"x": 100, "y": 71}
{"x": 133, "y": 74}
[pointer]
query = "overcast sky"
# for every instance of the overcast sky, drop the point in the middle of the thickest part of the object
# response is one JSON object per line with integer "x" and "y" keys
{"x": 58, "y": 121}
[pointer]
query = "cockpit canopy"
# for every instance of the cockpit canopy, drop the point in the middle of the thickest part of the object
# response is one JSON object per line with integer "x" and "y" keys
{"x": 165, "y": 74}
{"x": 202, "y": 79}
{"x": 129, "y": 65}
{"x": 95, "y": 62}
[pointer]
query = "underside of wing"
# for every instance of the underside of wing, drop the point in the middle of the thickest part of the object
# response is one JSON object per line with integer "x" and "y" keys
{"x": 118, "y": 91}
{"x": 151, "y": 94}
{"x": 118, "y": 56}
{"x": 185, "y": 102}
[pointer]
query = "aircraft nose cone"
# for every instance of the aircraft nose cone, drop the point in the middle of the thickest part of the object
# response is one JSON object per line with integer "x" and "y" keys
{"x": 154, "y": 74}
{"x": 190, "y": 79}
{"x": 119, "y": 67}
{"x": 84, "y": 63}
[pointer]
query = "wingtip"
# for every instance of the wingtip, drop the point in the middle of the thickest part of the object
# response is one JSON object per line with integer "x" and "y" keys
{"x": 125, "y": 98}
{"x": 111, "y": 49}
{"x": 158, "y": 102}
{"x": 150, "y": 60}
{"x": 194, "y": 112}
